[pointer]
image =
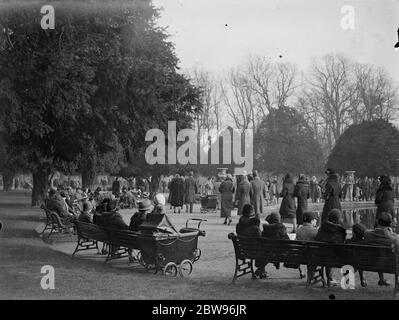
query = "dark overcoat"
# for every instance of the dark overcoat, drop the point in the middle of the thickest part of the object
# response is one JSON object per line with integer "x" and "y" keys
{"x": 177, "y": 192}
{"x": 226, "y": 189}
{"x": 302, "y": 192}
{"x": 288, "y": 207}
{"x": 258, "y": 195}
{"x": 243, "y": 195}
{"x": 332, "y": 195}
{"x": 384, "y": 200}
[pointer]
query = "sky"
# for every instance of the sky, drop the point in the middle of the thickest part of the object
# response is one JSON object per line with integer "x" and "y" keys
{"x": 218, "y": 34}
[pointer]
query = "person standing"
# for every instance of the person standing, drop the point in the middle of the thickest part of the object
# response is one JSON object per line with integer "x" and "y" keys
{"x": 288, "y": 207}
{"x": 116, "y": 187}
{"x": 384, "y": 198}
{"x": 302, "y": 193}
{"x": 177, "y": 193}
{"x": 216, "y": 185}
{"x": 243, "y": 194}
{"x": 227, "y": 189}
{"x": 190, "y": 190}
{"x": 259, "y": 192}
{"x": 313, "y": 189}
{"x": 332, "y": 194}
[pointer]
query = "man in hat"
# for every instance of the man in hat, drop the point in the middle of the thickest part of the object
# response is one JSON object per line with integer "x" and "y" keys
{"x": 308, "y": 232}
{"x": 140, "y": 216}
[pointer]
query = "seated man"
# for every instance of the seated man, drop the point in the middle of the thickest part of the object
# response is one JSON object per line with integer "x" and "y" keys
{"x": 308, "y": 232}
{"x": 140, "y": 216}
{"x": 332, "y": 231}
{"x": 382, "y": 235}
{"x": 358, "y": 231}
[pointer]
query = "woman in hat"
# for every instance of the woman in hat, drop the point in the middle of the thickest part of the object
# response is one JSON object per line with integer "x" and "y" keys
{"x": 243, "y": 194}
{"x": 358, "y": 231}
{"x": 140, "y": 216}
{"x": 332, "y": 194}
{"x": 288, "y": 207}
{"x": 384, "y": 198}
{"x": 227, "y": 190}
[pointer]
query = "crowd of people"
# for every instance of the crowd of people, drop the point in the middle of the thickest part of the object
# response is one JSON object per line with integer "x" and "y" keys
{"x": 248, "y": 193}
{"x": 330, "y": 229}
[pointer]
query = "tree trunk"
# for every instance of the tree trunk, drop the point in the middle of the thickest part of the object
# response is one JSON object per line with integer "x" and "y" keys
{"x": 8, "y": 178}
{"x": 88, "y": 177}
{"x": 40, "y": 186}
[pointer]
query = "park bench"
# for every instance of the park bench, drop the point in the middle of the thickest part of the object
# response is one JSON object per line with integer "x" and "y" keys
{"x": 55, "y": 223}
{"x": 120, "y": 242}
{"x": 295, "y": 252}
{"x": 89, "y": 235}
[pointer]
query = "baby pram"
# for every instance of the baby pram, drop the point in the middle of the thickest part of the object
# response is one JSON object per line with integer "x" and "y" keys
{"x": 209, "y": 203}
{"x": 162, "y": 248}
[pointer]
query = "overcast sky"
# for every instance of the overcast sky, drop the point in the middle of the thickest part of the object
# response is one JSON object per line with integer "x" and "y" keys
{"x": 218, "y": 34}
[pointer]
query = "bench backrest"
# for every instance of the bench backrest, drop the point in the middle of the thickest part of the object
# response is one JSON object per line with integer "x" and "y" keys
{"x": 361, "y": 257}
{"x": 124, "y": 238}
{"x": 92, "y": 231}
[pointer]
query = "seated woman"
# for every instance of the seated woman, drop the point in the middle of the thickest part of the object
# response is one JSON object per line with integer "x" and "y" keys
{"x": 358, "y": 231}
{"x": 276, "y": 230}
{"x": 248, "y": 225}
{"x": 109, "y": 216}
{"x": 332, "y": 231}
{"x": 86, "y": 215}
{"x": 140, "y": 216}
{"x": 382, "y": 235}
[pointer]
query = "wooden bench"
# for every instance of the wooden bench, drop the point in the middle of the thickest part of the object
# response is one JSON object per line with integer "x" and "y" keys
{"x": 89, "y": 235}
{"x": 123, "y": 242}
{"x": 360, "y": 257}
{"x": 55, "y": 223}
{"x": 120, "y": 242}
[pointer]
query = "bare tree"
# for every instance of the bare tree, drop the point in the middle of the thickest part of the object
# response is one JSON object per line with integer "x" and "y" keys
{"x": 210, "y": 117}
{"x": 239, "y": 99}
{"x": 376, "y": 93}
{"x": 284, "y": 82}
{"x": 332, "y": 90}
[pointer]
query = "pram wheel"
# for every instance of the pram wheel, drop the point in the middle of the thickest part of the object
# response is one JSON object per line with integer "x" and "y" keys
{"x": 170, "y": 269}
{"x": 185, "y": 268}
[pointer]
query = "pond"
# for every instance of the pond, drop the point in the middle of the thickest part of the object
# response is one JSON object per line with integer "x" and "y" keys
{"x": 365, "y": 216}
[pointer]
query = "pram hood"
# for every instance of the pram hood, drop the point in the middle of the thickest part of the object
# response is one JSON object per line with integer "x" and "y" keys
{"x": 158, "y": 223}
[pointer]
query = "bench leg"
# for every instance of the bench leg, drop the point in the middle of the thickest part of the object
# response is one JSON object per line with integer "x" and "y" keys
{"x": 77, "y": 247}
{"x": 315, "y": 275}
{"x": 243, "y": 267}
{"x": 395, "y": 289}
